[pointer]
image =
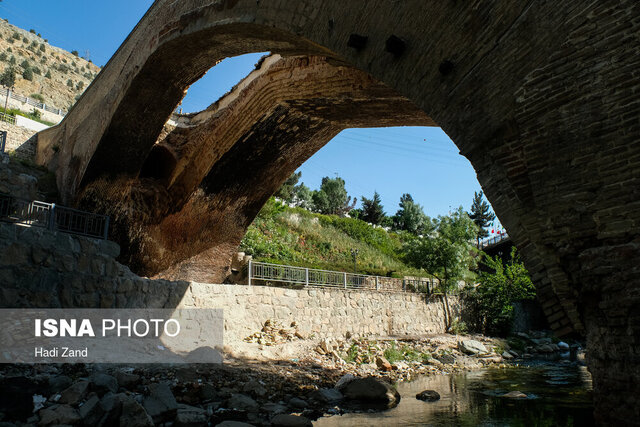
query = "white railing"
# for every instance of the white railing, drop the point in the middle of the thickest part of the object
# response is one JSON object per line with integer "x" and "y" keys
{"x": 268, "y": 274}
{"x": 31, "y": 101}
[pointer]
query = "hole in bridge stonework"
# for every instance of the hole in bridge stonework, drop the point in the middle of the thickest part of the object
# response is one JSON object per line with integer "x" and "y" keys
{"x": 219, "y": 80}
{"x": 159, "y": 164}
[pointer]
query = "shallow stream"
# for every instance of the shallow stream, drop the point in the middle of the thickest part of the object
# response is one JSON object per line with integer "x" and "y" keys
{"x": 557, "y": 395}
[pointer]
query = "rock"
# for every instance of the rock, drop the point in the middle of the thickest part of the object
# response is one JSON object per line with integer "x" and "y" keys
{"x": 325, "y": 345}
{"x": 371, "y": 390}
{"x": 383, "y": 364}
{"x": 514, "y": 353}
{"x": 515, "y": 395}
{"x": 428, "y": 396}
{"x": 445, "y": 358}
{"x": 160, "y": 404}
{"x": 91, "y": 411}
{"x": 506, "y": 355}
{"x": 74, "y": 393}
{"x": 133, "y": 414}
{"x": 472, "y": 347}
{"x": 60, "y": 382}
{"x": 523, "y": 335}
{"x": 545, "y": 348}
{"x": 190, "y": 416}
{"x": 254, "y": 388}
{"x": 274, "y": 408}
{"x": 127, "y": 380}
{"x": 563, "y": 346}
{"x": 327, "y": 395}
{"x": 344, "y": 380}
{"x": 284, "y": 420}
{"x": 242, "y": 402}
{"x": 233, "y": 424}
{"x": 208, "y": 392}
{"x": 299, "y": 335}
{"x": 58, "y": 414}
{"x": 103, "y": 383}
{"x": 297, "y": 403}
{"x": 434, "y": 362}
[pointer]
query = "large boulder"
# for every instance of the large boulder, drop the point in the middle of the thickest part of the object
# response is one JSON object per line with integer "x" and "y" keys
{"x": 371, "y": 390}
{"x": 160, "y": 403}
{"x": 284, "y": 420}
{"x": 472, "y": 347}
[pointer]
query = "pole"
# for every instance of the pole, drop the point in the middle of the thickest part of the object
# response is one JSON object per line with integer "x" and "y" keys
{"x": 345, "y": 280}
{"x": 6, "y": 102}
{"x": 306, "y": 277}
{"x": 249, "y": 279}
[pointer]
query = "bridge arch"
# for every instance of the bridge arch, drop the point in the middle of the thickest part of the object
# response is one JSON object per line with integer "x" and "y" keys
{"x": 541, "y": 97}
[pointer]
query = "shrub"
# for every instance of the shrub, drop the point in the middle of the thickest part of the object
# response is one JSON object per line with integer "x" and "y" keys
{"x": 3, "y": 56}
{"x": 74, "y": 52}
{"x": 48, "y": 75}
{"x": 25, "y": 64}
{"x": 491, "y": 302}
{"x": 27, "y": 74}
{"x": 32, "y": 31}
{"x": 42, "y": 47}
{"x": 12, "y": 60}
{"x": 25, "y": 40}
{"x": 70, "y": 83}
{"x": 16, "y": 35}
{"x": 37, "y": 97}
{"x": 79, "y": 85}
{"x": 36, "y": 70}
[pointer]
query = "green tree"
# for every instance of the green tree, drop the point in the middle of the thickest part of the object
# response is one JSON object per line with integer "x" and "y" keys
{"x": 48, "y": 75}
{"x": 372, "y": 210}
{"x": 74, "y": 52}
{"x": 497, "y": 291}
{"x": 27, "y": 74}
{"x": 447, "y": 254}
{"x": 8, "y": 78}
{"x": 70, "y": 83}
{"x": 302, "y": 196}
{"x": 285, "y": 192}
{"x": 481, "y": 215}
{"x": 410, "y": 217}
{"x": 332, "y": 197}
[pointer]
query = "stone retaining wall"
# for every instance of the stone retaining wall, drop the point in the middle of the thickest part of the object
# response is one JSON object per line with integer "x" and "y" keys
{"x": 21, "y": 140}
{"x": 40, "y": 268}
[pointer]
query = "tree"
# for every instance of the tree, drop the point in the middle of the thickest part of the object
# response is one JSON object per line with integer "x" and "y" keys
{"x": 372, "y": 210}
{"x": 410, "y": 217}
{"x": 27, "y": 74}
{"x": 8, "y": 78}
{"x": 74, "y": 52}
{"x": 446, "y": 254}
{"x": 498, "y": 290}
{"x": 481, "y": 215}
{"x": 48, "y": 75}
{"x": 302, "y": 196}
{"x": 285, "y": 192}
{"x": 332, "y": 197}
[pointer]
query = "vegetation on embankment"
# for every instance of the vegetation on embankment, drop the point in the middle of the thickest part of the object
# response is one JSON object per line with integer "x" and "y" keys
{"x": 295, "y": 236}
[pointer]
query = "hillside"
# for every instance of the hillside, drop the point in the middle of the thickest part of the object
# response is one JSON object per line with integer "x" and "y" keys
{"x": 296, "y": 236}
{"x": 58, "y": 77}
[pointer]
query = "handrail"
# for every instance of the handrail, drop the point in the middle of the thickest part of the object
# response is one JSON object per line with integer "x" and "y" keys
{"x": 53, "y": 217}
{"x": 268, "y": 273}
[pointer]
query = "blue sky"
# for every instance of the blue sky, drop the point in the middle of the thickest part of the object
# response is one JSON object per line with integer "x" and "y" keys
{"x": 421, "y": 161}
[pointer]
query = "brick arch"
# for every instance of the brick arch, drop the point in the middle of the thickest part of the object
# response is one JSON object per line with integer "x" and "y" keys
{"x": 540, "y": 96}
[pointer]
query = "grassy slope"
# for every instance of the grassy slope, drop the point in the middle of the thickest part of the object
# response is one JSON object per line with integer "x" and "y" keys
{"x": 295, "y": 236}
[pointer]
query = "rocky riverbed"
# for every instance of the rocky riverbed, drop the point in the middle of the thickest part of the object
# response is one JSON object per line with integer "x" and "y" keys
{"x": 329, "y": 377}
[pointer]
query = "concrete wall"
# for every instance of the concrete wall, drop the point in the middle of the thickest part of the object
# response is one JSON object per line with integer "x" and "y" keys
{"x": 39, "y": 268}
{"x": 30, "y": 124}
{"x": 23, "y": 106}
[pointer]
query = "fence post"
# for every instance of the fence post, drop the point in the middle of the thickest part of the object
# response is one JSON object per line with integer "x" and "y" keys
{"x": 52, "y": 217}
{"x": 249, "y": 273}
{"x": 377, "y": 284}
{"x": 404, "y": 286}
{"x": 345, "y": 280}
{"x": 306, "y": 277}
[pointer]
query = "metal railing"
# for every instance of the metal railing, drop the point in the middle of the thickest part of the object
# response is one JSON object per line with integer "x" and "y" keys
{"x": 31, "y": 101}
{"x": 265, "y": 273}
{"x": 3, "y": 140}
{"x": 493, "y": 240}
{"x": 8, "y": 118}
{"x": 53, "y": 217}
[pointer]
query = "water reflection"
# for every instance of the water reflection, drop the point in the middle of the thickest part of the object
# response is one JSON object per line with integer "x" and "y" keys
{"x": 557, "y": 395}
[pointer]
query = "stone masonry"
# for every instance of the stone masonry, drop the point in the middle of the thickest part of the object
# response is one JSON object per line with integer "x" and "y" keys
{"x": 540, "y": 96}
{"x": 40, "y": 268}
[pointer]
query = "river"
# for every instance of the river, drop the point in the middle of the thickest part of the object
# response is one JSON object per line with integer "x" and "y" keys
{"x": 557, "y": 395}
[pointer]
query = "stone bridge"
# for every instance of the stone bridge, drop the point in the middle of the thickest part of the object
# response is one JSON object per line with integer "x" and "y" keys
{"x": 540, "y": 96}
